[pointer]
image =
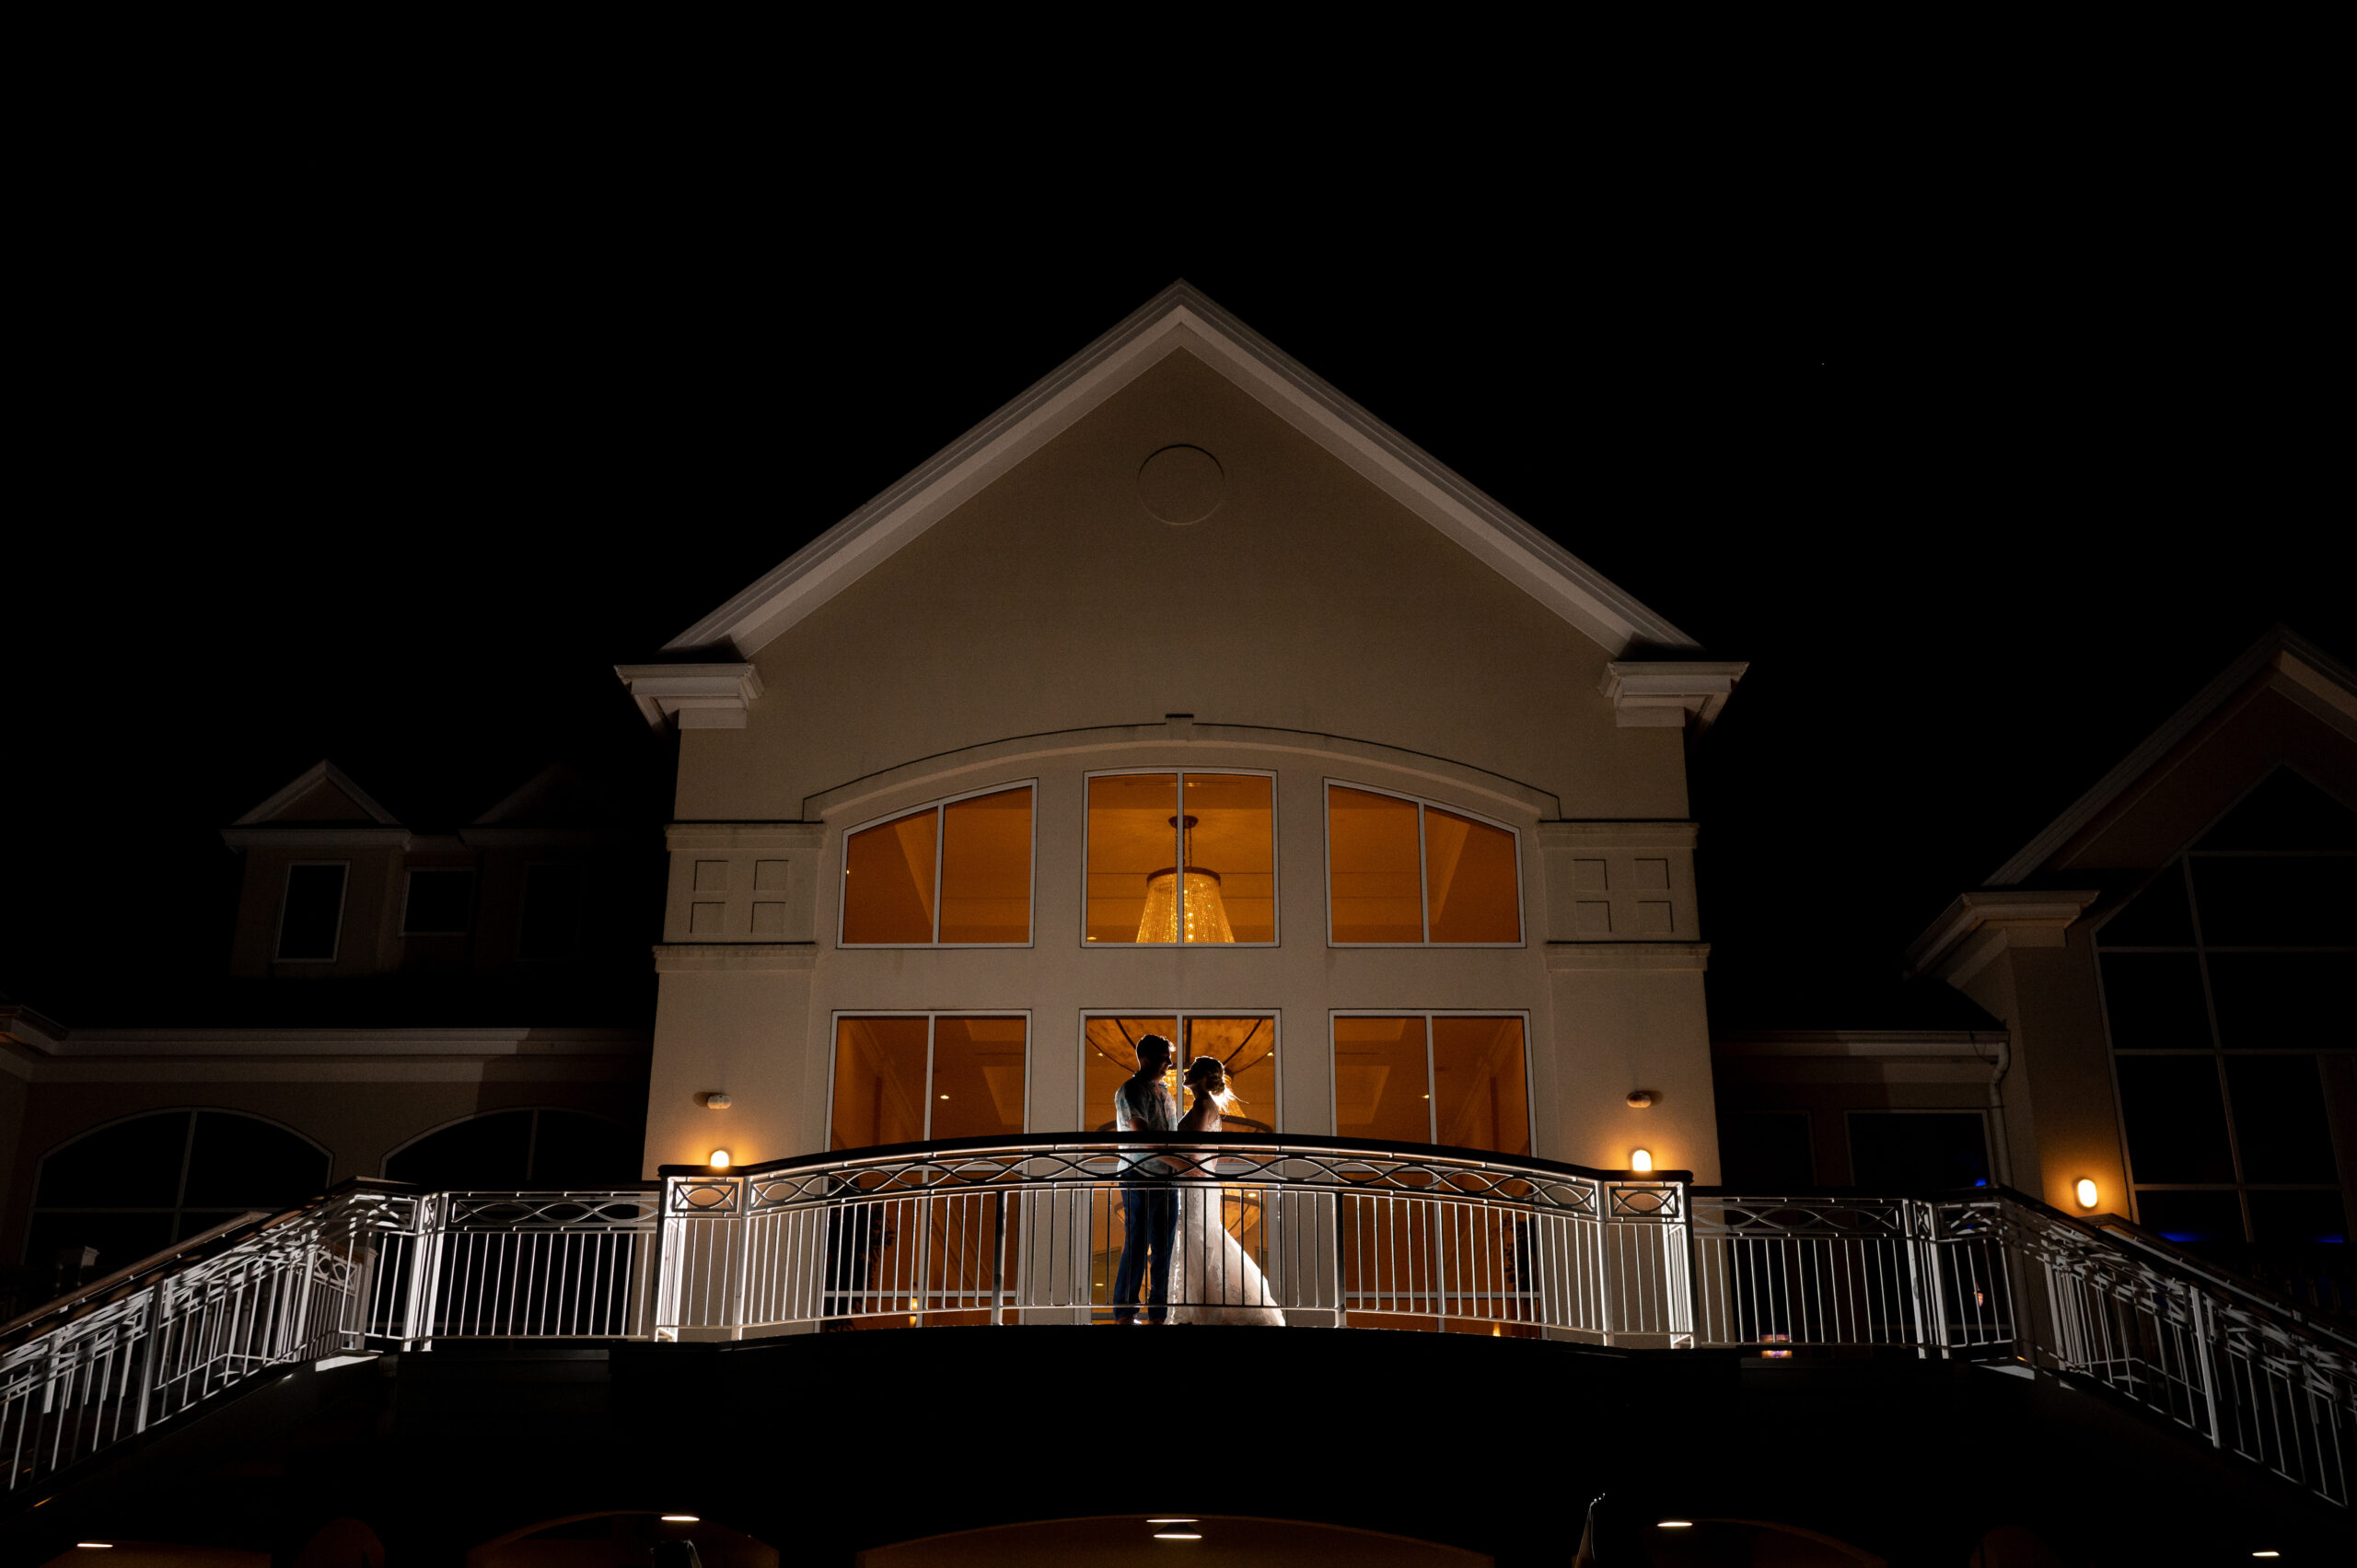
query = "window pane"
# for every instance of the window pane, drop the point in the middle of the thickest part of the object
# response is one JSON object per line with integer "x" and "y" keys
{"x": 2157, "y": 917}
{"x": 307, "y": 927}
{"x": 1249, "y": 1047}
{"x": 1111, "y": 1060}
{"x": 570, "y": 1149}
{"x": 2177, "y": 1121}
{"x": 120, "y": 1238}
{"x": 551, "y": 912}
{"x": 1912, "y": 1151}
{"x": 977, "y": 1077}
{"x": 1767, "y": 1151}
{"x": 1379, "y": 1081}
{"x": 1132, "y": 837}
{"x": 439, "y": 903}
{"x": 2287, "y": 901}
{"x": 239, "y": 1163}
{"x": 1371, "y": 859}
{"x": 1478, "y": 1088}
{"x": 1469, "y": 879}
{"x": 134, "y": 1164}
{"x": 491, "y": 1151}
{"x": 1235, "y": 841}
{"x": 879, "y": 1082}
{"x": 2271, "y": 1001}
{"x": 2298, "y": 1217}
{"x": 2280, "y": 1126}
{"x": 986, "y": 868}
{"x": 888, "y": 880}
{"x": 2191, "y": 1216}
{"x": 2154, "y": 1001}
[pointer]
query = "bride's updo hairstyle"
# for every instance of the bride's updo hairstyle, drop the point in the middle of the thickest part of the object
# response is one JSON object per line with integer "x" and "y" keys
{"x": 1207, "y": 1075}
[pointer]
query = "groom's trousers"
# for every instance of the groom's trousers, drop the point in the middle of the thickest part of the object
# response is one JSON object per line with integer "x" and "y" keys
{"x": 1150, "y": 1219}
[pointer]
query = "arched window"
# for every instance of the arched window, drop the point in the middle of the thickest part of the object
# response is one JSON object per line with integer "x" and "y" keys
{"x": 520, "y": 1148}
{"x": 136, "y": 1186}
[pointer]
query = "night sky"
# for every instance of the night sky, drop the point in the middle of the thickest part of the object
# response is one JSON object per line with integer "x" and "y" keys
{"x": 1982, "y": 500}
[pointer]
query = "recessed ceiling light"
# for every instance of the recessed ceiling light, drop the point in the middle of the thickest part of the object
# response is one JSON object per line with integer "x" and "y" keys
{"x": 1176, "y": 1535}
{"x": 1674, "y": 1525}
{"x": 2266, "y": 1554}
{"x": 683, "y": 1518}
{"x": 109, "y": 1545}
{"x": 1172, "y": 1521}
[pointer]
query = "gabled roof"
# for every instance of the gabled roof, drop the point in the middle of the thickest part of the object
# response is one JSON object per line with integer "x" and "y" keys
{"x": 2282, "y": 654}
{"x": 318, "y": 783}
{"x": 1180, "y": 317}
{"x": 556, "y": 796}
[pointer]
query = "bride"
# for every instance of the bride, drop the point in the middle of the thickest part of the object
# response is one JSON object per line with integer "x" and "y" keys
{"x": 1213, "y": 1279}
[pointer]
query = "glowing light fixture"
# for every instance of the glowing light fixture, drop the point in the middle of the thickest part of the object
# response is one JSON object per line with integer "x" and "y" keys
{"x": 2266, "y": 1554}
{"x": 1170, "y": 1521}
{"x": 1641, "y": 1160}
{"x": 682, "y": 1518}
{"x": 1674, "y": 1525}
{"x": 109, "y": 1545}
{"x": 1176, "y": 1535}
{"x": 2086, "y": 1193}
{"x": 720, "y": 1159}
{"x": 1205, "y": 914}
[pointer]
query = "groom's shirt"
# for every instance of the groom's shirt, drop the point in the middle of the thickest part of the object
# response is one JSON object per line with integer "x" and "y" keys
{"x": 1146, "y": 1107}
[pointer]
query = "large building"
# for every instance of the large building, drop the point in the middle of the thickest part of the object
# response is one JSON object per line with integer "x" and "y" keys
{"x": 1182, "y": 697}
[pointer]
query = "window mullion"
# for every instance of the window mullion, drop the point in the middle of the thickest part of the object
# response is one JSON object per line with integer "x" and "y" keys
{"x": 1179, "y": 858}
{"x": 930, "y": 1022}
{"x": 940, "y": 846}
{"x": 1424, "y": 887}
{"x": 1431, "y": 1084}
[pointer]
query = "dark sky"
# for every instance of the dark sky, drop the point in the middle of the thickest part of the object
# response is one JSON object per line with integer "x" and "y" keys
{"x": 1983, "y": 494}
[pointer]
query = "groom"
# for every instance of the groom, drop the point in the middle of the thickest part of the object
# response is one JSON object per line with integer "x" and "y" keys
{"x": 1149, "y": 1204}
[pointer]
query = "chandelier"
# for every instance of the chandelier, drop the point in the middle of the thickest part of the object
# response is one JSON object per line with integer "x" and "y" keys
{"x": 1206, "y": 914}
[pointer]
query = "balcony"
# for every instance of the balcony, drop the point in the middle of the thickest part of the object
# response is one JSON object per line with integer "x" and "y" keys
{"x": 1300, "y": 1233}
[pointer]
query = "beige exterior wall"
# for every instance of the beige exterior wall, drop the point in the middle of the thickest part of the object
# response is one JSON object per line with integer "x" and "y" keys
{"x": 1311, "y": 628}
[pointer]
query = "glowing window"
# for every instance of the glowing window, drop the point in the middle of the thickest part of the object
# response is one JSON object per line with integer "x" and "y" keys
{"x": 1181, "y": 858}
{"x": 957, "y": 873}
{"x": 1401, "y": 871}
{"x": 1247, "y": 1042}
{"x": 914, "y": 1078}
{"x": 1433, "y": 1078}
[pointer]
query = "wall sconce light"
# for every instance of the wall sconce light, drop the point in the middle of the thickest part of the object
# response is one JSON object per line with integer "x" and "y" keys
{"x": 2087, "y": 1194}
{"x": 1639, "y": 1099}
{"x": 720, "y": 1159}
{"x": 1641, "y": 1160}
{"x": 719, "y": 1099}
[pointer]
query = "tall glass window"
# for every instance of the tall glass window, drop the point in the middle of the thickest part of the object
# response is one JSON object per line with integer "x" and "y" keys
{"x": 1455, "y": 1079}
{"x": 1403, "y": 871}
{"x": 957, "y": 873}
{"x": 1245, "y": 1043}
{"x": 2226, "y": 991}
{"x": 909, "y": 1078}
{"x": 1177, "y": 859}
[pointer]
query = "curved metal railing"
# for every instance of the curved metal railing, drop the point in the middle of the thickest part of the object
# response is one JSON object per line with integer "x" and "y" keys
{"x": 1286, "y": 1231}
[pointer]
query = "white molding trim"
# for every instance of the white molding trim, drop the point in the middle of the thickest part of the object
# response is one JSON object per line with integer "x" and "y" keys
{"x": 1181, "y": 316}
{"x": 1177, "y": 742}
{"x": 733, "y": 957}
{"x": 1977, "y": 1057}
{"x": 1982, "y": 923}
{"x": 2299, "y": 662}
{"x": 317, "y": 838}
{"x": 699, "y": 696}
{"x": 320, "y": 772}
{"x": 1567, "y": 956}
{"x": 1669, "y": 694}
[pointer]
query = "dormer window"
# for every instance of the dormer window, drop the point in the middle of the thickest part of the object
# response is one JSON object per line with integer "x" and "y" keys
{"x": 310, "y": 914}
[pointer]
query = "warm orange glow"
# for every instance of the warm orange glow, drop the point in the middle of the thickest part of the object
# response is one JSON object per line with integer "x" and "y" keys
{"x": 720, "y": 1159}
{"x": 2087, "y": 1194}
{"x": 1402, "y": 872}
{"x": 954, "y": 873}
{"x": 1641, "y": 1160}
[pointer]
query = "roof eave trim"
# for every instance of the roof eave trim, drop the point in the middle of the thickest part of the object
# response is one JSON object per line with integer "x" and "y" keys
{"x": 2271, "y": 649}
{"x": 1181, "y": 316}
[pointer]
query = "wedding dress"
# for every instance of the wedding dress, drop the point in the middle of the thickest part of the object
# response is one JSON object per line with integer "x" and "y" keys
{"x": 1213, "y": 1279}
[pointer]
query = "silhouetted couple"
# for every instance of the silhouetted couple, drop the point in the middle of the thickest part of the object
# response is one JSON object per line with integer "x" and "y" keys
{"x": 1176, "y": 1243}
